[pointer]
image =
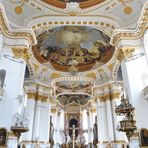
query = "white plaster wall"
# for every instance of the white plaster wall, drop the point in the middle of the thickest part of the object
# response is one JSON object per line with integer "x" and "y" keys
{"x": 12, "y": 86}
{"x": 29, "y": 114}
{"x": 44, "y": 122}
{"x": 146, "y": 44}
{"x": 135, "y": 75}
{"x": 1, "y": 44}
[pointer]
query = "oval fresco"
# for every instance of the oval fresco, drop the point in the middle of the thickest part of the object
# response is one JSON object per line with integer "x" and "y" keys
{"x": 80, "y": 99}
{"x": 68, "y": 46}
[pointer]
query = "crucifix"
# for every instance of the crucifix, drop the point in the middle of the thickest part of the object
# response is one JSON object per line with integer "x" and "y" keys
{"x": 73, "y": 135}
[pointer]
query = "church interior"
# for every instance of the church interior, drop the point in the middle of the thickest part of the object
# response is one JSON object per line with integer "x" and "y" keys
{"x": 73, "y": 74}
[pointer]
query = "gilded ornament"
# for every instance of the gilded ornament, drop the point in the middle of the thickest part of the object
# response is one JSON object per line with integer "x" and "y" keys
{"x": 21, "y": 53}
{"x": 4, "y": 26}
{"x": 139, "y": 31}
{"x": 128, "y": 10}
{"x": 55, "y": 75}
{"x": 125, "y": 53}
{"x": 18, "y": 10}
{"x": 91, "y": 75}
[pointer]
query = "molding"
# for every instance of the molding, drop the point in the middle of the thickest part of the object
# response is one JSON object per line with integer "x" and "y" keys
{"x": 15, "y": 33}
{"x": 119, "y": 35}
{"x": 42, "y": 98}
{"x": 106, "y": 26}
{"x": 34, "y": 142}
{"x": 109, "y": 96}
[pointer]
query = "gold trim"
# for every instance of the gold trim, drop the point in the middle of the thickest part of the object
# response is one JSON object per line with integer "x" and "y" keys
{"x": 125, "y": 53}
{"x": 130, "y": 34}
{"x": 21, "y": 53}
{"x": 42, "y": 98}
{"x": 4, "y": 25}
{"x": 109, "y": 96}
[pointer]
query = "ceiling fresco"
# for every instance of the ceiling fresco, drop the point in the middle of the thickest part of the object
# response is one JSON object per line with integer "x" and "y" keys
{"x": 83, "y": 3}
{"x": 68, "y": 46}
{"x": 73, "y": 86}
{"x": 67, "y": 99}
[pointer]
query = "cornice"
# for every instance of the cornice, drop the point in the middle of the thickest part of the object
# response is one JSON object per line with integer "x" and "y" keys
{"x": 137, "y": 33}
{"x": 15, "y": 33}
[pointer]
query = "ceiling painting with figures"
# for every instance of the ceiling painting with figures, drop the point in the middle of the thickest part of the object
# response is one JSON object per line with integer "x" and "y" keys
{"x": 84, "y": 47}
{"x": 67, "y": 99}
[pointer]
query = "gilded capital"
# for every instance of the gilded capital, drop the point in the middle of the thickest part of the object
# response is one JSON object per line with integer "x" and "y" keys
{"x": 124, "y": 53}
{"x": 115, "y": 95}
{"x": 21, "y": 53}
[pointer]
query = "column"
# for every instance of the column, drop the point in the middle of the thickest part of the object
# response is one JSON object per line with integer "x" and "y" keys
{"x": 29, "y": 114}
{"x": 102, "y": 123}
{"x": 90, "y": 128}
{"x": 13, "y": 87}
{"x": 135, "y": 79}
{"x": 45, "y": 122}
{"x": 57, "y": 129}
{"x": 1, "y": 44}
{"x": 36, "y": 129}
{"x": 120, "y": 137}
{"x": 110, "y": 125}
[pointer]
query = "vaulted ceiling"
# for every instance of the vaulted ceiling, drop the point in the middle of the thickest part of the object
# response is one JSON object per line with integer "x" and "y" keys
{"x": 73, "y": 36}
{"x": 22, "y": 12}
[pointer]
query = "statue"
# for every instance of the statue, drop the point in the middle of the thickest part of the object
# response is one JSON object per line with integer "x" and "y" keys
{"x": 20, "y": 121}
{"x": 73, "y": 135}
{"x": 51, "y": 132}
{"x": 124, "y": 103}
{"x": 95, "y": 131}
{"x": 68, "y": 139}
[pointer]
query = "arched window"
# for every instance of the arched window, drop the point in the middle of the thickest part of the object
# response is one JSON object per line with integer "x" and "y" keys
{"x": 2, "y": 77}
{"x": 119, "y": 74}
{"x": 27, "y": 73}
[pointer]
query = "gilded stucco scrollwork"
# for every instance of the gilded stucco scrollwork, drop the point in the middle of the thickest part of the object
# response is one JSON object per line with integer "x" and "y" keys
{"x": 32, "y": 95}
{"x": 21, "y": 53}
{"x": 110, "y": 96}
{"x": 4, "y": 26}
{"x": 109, "y": 91}
{"x": 119, "y": 35}
{"x": 124, "y": 53}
